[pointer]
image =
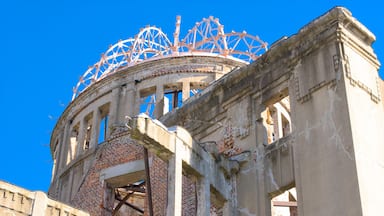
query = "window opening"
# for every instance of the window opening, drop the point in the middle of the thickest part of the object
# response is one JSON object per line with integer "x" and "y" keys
{"x": 87, "y": 138}
{"x": 103, "y": 129}
{"x": 194, "y": 92}
{"x": 55, "y": 159}
{"x": 285, "y": 204}
{"x": 277, "y": 120}
{"x": 73, "y": 142}
{"x": 174, "y": 100}
{"x": 130, "y": 199}
{"x": 196, "y": 88}
{"x": 103, "y": 124}
{"x": 147, "y": 105}
{"x": 74, "y": 136}
{"x": 88, "y": 132}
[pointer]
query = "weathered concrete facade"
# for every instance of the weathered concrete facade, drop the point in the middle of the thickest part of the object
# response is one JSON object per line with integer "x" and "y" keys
{"x": 306, "y": 117}
{"x": 17, "y": 201}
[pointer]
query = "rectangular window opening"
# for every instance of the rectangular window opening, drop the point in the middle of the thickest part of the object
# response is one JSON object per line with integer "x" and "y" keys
{"x": 103, "y": 124}
{"x": 73, "y": 142}
{"x": 87, "y": 132}
{"x": 147, "y": 104}
{"x": 285, "y": 204}
{"x": 103, "y": 129}
{"x": 196, "y": 88}
{"x": 172, "y": 100}
{"x": 277, "y": 120}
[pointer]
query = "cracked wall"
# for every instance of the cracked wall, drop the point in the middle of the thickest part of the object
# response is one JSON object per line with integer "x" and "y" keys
{"x": 321, "y": 84}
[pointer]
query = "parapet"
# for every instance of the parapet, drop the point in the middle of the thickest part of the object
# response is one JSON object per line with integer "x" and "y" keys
{"x": 18, "y": 201}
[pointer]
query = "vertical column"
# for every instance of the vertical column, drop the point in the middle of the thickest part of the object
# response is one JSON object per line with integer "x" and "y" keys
{"x": 82, "y": 131}
{"x": 263, "y": 204}
{"x": 175, "y": 182}
{"x": 137, "y": 103}
{"x": 70, "y": 186}
{"x": 230, "y": 206}
{"x": 64, "y": 145}
{"x": 159, "y": 109}
{"x": 56, "y": 156}
{"x": 186, "y": 90}
{"x": 113, "y": 110}
{"x": 95, "y": 128}
{"x": 203, "y": 196}
{"x": 279, "y": 122}
{"x": 336, "y": 135}
{"x": 127, "y": 105}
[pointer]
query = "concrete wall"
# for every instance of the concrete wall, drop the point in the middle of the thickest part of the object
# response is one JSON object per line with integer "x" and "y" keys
{"x": 80, "y": 157}
{"x": 18, "y": 201}
{"x": 329, "y": 72}
{"x": 237, "y": 154}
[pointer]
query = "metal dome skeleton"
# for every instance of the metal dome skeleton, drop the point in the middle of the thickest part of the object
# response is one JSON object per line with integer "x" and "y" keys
{"x": 205, "y": 38}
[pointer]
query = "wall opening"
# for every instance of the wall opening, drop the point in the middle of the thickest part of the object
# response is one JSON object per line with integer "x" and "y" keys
{"x": 285, "y": 204}
{"x": 87, "y": 131}
{"x": 277, "y": 120}
{"x": 172, "y": 96}
{"x": 55, "y": 158}
{"x": 103, "y": 129}
{"x": 103, "y": 124}
{"x": 173, "y": 100}
{"x": 148, "y": 101}
{"x": 125, "y": 189}
{"x": 196, "y": 88}
{"x": 130, "y": 200}
{"x": 73, "y": 143}
{"x": 147, "y": 104}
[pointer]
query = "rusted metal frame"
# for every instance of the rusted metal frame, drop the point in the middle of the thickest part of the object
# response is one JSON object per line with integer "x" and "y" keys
{"x": 148, "y": 182}
{"x": 134, "y": 188}
{"x": 151, "y": 40}
{"x": 122, "y": 201}
{"x": 284, "y": 203}
{"x": 130, "y": 205}
{"x": 175, "y": 99}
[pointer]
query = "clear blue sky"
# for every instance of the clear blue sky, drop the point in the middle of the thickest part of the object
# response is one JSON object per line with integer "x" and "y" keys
{"x": 47, "y": 45}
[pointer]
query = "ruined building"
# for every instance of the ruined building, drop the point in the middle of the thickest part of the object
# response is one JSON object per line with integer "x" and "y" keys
{"x": 190, "y": 127}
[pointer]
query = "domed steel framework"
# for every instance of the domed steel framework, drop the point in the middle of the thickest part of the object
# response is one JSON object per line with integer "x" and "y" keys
{"x": 205, "y": 38}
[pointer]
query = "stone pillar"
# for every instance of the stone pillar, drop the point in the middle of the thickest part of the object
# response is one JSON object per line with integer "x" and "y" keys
{"x": 159, "y": 109}
{"x": 95, "y": 128}
{"x": 64, "y": 145}
{"x": 186, "y": 90}
{"x": 203, "y": 196}
{"x": 174, "y": 207}
{"x": 263, "y": 201}
{"x": 127, "y": 104}
{"x": 82, "y": 131}
{"x": 137, "y": 102}
{"x": 113, "y": 110}
{"x": 279, "y": 123}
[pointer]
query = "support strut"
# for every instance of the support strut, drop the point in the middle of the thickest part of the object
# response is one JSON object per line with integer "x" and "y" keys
{"x": 148, "y": 182}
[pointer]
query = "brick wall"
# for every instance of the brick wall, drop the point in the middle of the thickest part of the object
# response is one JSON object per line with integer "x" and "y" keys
{"x": 118, "y": 150}
{"x": 189, "y": 196}
{"x": 122, "y": 149}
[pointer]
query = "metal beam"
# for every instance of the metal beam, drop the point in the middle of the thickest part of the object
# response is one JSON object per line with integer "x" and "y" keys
{"x": 131, "y": 205}
{"x": 115, "y": 210}
{"x": 148, "y": 182}
{"x": 284, "y": 204}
